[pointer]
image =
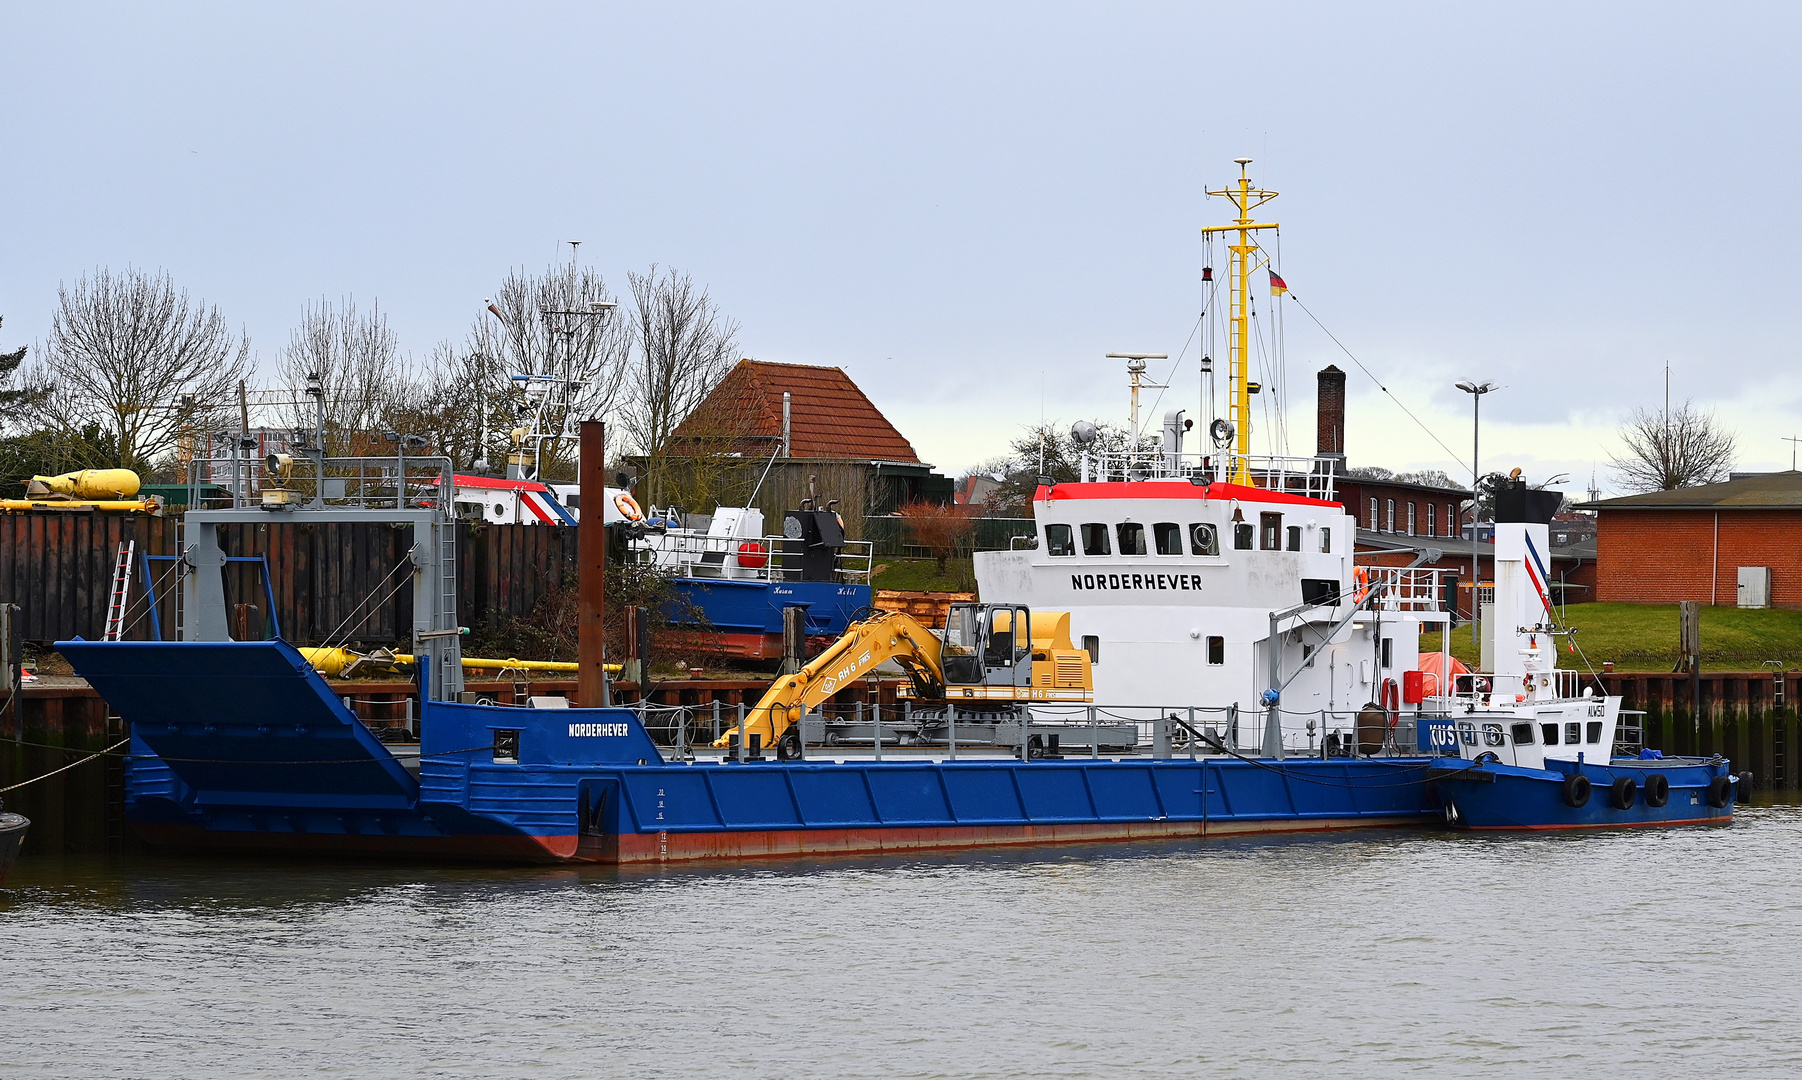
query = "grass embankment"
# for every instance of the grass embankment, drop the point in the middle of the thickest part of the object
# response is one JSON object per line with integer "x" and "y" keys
{"x": 1643, "y": 637}
{"x": 922, "y": 575}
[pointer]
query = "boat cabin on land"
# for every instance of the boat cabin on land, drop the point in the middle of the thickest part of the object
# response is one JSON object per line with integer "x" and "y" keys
{"x": 817, "y": 434}
{"x": 1736, "y": 542}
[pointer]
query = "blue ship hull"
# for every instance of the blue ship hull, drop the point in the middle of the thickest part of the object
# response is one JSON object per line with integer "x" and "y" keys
{"x": 1509, "y": 797}
{"x": 242, "y": 746}
{"x": 747, "y": 615}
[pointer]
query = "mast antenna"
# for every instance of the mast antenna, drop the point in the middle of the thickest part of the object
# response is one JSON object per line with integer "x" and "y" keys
{"x": 1245, "y": 199}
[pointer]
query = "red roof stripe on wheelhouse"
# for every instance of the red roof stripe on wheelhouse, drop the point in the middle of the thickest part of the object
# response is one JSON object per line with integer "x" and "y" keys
{"x": 1149, "y": 489}
{"x": 490, "y": 482}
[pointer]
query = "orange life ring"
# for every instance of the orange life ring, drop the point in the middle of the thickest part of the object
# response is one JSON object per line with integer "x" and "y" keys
{"x": 626, "y": 505}
{"x": 1391, "y": 699}
{"x": 1361, "y": 577}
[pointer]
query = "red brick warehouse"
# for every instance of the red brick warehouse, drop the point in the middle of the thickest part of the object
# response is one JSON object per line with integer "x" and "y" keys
{"x": 1691, "y": 543}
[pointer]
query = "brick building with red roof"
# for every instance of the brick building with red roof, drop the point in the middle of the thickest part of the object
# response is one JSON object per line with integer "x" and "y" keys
{"x": 809, "y": 431}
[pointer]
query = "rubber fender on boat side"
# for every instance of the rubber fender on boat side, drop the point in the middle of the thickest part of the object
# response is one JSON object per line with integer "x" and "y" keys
{"x": 1576, "y": 790}
{"x": 1625, "y": 793}
{"x": 1744, "y": 789}
{"x": 1720, "y": 791}
{"x": 788, "y": 747}
{"x": 1658, "y": 789}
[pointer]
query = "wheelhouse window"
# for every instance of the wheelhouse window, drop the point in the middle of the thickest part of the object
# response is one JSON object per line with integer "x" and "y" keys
{"x": 1168, "y": 537}
{"x": 1326, "y": 539}
{"x": 1523, "y": 734}
{"x": 1216, "y": 651}
{"x": 1271, "y": 532}
{"x": 1242, "y": 536}
{"x": 1059, "y": 540}
{"x": 1595, "y": 731}
{"x": 1573, "y": 733}
{"x": 1203, "y": 539}
{"x": 1550, "y": 731}
{"x": 1094, "y": 539}
{"x": 1132, "y": 538}
{"x": 1295, "y": 538}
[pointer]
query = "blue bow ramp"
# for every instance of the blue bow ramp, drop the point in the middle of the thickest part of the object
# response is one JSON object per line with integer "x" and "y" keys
{"x": 244, "y": 723}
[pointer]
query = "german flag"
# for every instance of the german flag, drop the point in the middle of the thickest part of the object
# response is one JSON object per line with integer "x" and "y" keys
{"x": 1277, "y": 285}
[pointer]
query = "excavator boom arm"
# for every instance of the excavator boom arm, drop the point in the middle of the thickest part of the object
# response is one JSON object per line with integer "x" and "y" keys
{"x": 884, "y": 636}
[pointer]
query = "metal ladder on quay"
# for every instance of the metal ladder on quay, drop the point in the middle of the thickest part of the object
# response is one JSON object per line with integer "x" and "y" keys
{"x": 121, "y": 594}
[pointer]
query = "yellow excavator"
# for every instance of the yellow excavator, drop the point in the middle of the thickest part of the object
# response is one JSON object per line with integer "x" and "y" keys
{"x": 981, "y": 659}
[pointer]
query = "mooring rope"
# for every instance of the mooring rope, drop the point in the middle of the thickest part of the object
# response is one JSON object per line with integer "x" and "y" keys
{"x": 65, "y": 768}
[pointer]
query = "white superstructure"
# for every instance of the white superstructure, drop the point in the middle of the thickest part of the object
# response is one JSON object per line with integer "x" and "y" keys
{"x": 1172, "y": 582}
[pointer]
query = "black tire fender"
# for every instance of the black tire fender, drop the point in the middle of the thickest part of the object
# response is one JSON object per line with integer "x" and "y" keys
{"x": 1720, "y": 791}
{"x": 1576, "y": 790}
{"x": 788, "y": 747}
{"x": 1658, "y": 789}
{"x": 1624, "y": 793}
{"x": 1743, "y": 790}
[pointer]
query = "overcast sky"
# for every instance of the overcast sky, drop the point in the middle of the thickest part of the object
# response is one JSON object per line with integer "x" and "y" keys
{"x": 967, "y": 205}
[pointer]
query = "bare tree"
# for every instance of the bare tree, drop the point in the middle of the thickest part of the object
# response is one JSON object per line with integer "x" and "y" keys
{"x": 558, "y": 325}
{"x": 134, "y": 358}
{"x": 1671, "y": 450}
{"x": 685, "y": 347}
{"x": 358, "y": 363}
{"x": 941, "y": 528}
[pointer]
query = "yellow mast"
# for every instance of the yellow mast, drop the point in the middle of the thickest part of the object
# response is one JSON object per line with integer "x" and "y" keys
{"x": 1245, "y": 199}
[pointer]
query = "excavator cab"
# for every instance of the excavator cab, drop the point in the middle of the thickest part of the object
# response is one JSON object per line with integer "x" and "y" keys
{"x": 987, "y": 645}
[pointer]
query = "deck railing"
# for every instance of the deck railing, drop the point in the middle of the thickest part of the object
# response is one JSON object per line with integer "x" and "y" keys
{"x": 722, "y": 557}
{"x": 1313, "y": 477}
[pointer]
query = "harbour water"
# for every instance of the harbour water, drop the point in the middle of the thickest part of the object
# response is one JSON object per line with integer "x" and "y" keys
{"x": 1374, "y": 954}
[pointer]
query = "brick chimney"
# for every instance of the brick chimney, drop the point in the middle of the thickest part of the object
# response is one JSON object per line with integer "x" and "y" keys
{"x": 1330, "y": 414}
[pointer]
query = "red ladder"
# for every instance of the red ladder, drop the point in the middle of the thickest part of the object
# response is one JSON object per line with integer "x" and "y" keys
{"x": 115, "y": 612}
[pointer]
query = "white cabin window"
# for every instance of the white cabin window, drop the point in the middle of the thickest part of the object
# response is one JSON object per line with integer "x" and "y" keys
{"x": 1168, "y": 537}
{"x": 1326, "y": 539}
{"x": 1295, "y": 538}
{"x": 1059, "y": 541}
{"x": 1203, "y": 539}
{"x": 1550, "y": 731}
{"x": 1094, "y": 539}
{"x": 1522, "y": 734}
{"x": 1573, "y": 733}
{"x": 1132, "y": 538}
{"x": 1216, "y": 651}
{"x": 1492, "y": 734}
{"x": 1242, "y": 535}
{"x": 1595, "y": 731}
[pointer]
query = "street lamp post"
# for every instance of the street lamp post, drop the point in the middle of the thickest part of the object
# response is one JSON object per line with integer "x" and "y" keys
{"x": 1476, "y": 392}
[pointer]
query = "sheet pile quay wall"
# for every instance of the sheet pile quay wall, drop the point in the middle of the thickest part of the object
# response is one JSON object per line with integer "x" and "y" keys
{"x": 58, "y": 568}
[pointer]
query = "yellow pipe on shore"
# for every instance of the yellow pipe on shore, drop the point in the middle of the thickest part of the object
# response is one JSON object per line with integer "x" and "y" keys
{"x": 152, "y": 505}
{"x": 332, "y": 662}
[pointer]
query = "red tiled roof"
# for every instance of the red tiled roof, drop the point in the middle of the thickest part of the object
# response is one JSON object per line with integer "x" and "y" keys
{"x": 829, "y": 417}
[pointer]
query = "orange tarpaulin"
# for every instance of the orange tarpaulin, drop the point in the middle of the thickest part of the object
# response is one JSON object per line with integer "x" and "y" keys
{"x": 1431, "y": 666}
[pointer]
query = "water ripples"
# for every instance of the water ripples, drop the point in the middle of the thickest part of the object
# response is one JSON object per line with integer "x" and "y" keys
{"x": 1374, "y": 954}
